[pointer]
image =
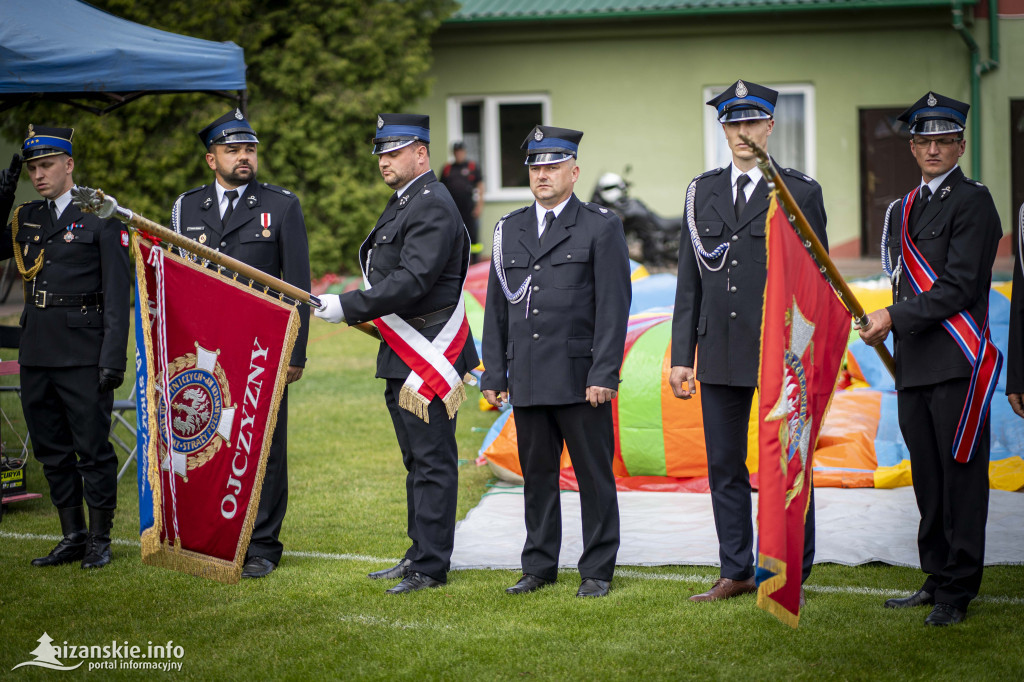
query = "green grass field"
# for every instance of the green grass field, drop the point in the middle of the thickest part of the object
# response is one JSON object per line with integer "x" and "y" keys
{"x": 318, "y": 617}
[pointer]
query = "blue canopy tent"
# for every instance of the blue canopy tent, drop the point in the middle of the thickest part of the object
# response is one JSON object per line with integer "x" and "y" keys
{"x": 72, "y": 52}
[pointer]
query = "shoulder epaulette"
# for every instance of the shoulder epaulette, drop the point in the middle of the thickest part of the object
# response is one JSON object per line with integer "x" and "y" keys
{"x": 708, "y": 174}
{"x": 193, "y": 190}
{"x": 279, "y": 190}
{"x": 595, "y": 208}
{"x": 518, "y": 210}
{"x": 794, "y": 173}
{"x": 973, "y": 182}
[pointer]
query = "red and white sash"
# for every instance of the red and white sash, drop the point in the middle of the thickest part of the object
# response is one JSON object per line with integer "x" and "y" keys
{"x": 975, "y": 342}
{"x": 432, "y": 362}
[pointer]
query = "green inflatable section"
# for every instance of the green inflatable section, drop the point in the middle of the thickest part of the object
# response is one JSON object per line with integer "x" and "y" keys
{"x": 641, "y": 438}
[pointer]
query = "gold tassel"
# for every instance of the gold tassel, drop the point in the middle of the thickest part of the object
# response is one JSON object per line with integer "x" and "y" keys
{"x": 454, "y": 399}
{"x": 412, "y": 401}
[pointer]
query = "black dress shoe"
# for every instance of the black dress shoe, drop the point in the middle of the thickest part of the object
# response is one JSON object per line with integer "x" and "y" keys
{"x": 528, "y": 583}
{"x": 919, "y": 598}
{"x": 399, "y": 570}
{"x": 258, "y": 567}
{"x": 414, "y": 582}
{"x": 592, "y": 587}
{"x": 945, "y": 614}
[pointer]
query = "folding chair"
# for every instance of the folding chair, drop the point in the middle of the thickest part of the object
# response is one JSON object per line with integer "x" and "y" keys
{"x": 117, "y": 416}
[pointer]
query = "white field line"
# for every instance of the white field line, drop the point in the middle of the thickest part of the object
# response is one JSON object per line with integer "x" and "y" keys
{"x": 622, "y": 572}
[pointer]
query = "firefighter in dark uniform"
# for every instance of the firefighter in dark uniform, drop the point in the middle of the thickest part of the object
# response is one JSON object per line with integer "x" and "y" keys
{"x": 261, "y": 225}
{"x": 74, "y": 340}
{"x": 718, "y": 308}
{"x": 554, "y": 335}
{"x": 415, "y": 260}
{"x": 1015, "y": 348}
{"x": 953, "y": 232}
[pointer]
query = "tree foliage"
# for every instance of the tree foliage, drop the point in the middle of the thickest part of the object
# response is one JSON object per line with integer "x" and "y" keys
{"x": 319, "y": 71}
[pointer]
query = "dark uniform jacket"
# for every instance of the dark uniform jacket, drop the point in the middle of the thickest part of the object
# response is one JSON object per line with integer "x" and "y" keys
{"x": 721, "y": 311}
{"x": 283, "y": 253}
{"x": 419, "y": 254}
{"x": 1015, "y": 348}
{"x": 94, "y": 259}
{"x": 958, "y": 234}
{"x": 575, "y": 333}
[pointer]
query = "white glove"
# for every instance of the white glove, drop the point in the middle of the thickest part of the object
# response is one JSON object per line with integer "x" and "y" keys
{"x": 332, "y": 311}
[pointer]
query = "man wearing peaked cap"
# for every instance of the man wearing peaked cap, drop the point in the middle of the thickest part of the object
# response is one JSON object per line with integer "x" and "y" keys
{"x": 554, "y": 334}
{"x": 938, "y": 245}
{"x": 73, "y": 341}
{"x": 414, "y": 264}
{"x": 262, "y": 225}
{"x": 718, "y": 309}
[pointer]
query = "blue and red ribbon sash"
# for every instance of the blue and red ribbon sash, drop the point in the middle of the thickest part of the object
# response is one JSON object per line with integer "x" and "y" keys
{"x": 974, "y": 341}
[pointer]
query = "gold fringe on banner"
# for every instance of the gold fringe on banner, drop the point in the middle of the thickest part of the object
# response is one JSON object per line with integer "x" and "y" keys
{"x": 412, "y": 401}
{"x": 175, "y": 557}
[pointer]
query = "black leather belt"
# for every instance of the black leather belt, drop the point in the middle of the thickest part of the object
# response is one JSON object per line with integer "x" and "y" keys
{"x": 430, "y": 319}
{"x": 45, "y": 299}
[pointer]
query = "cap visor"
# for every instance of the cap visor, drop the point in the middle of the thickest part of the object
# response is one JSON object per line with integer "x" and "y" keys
{"x": 547, "y": 158}
{"x": 393, "y": 145}
{"x": 736, "y": 115}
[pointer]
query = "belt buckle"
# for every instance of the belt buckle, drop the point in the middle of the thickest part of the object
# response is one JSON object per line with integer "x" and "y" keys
{"x": 40, "y": 299}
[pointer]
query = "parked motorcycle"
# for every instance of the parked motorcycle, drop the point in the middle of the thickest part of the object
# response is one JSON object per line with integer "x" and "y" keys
{"x": 652, "y": 239}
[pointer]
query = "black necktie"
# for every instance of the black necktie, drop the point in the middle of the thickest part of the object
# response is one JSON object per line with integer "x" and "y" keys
{"x": 741, "y": 196}
{"x": 549, "y": 218}
{"x": 919, "y": 205}
{"x": 231, "y": 195}
{"x": 53, "y": 213}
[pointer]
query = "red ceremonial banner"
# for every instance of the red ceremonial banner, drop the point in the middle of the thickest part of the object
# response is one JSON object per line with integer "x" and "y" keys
{"x": 212, "y": 358}
{"x": 803, "y": 338}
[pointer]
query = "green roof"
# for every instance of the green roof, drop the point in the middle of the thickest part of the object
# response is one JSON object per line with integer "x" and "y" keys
{"x": 478, "y": 11}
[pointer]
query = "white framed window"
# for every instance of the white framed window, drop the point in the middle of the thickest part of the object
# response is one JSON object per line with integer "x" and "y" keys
{"x": 492, "y": 128}
{"x": 791, "y": 143}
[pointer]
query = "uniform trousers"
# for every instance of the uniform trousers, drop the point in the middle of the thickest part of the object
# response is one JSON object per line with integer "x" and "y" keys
{"x": 431, "y": 458}
{"x": 952, "y": 497}
{"x": 588, "y": 433}
{"x": 68, "y": 420}
{"x": 266, "y": 530}
{"x": 726, "y": 413}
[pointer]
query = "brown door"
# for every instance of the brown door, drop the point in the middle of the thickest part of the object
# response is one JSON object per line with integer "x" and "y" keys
{"x": 1016, "y": 161}
{"x": 887, "y": 171}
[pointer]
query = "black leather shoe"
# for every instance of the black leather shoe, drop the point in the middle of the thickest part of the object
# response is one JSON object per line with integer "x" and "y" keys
{"x": 945, "y": 614}
{"x": 97, "y": 545}
{"x": 258, "y": 567}
{"x": 919, "y": 598}
{"x": 528, "y": 583}
{"x": 592, "y": 587}
{"x": 399, "y": 570}
{"x": 72, "y": 546}
{"x": 414, "y": 582}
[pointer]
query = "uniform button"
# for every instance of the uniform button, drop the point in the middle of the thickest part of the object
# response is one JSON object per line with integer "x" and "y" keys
{"x": 536, "y": 336}
{"x": 513, "y": 261}
{"x": 536, "y": 267}
{"x": 734, "y": 263}
{"x": 732, "y": 315}
{"x": 904, "y": 298}
{"x": 735, "y": 237}
{"x": 732, "y": 289}
{"x": 48, "y": 261}
{"x": 384, "y": 238}
{"x": 536, "y": 288}
{"x": 49, "y": 241}
{"x": 568, "y": 255}
{"x": 371, "y": 269}
{"x": 535, "y": 311}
